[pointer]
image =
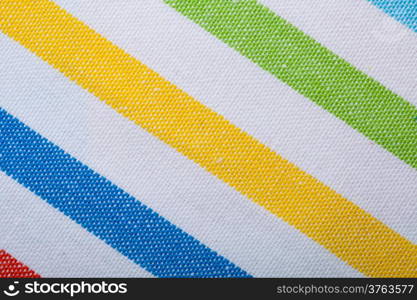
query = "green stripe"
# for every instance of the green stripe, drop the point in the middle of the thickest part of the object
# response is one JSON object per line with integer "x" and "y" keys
{"x": 311, "y": 69}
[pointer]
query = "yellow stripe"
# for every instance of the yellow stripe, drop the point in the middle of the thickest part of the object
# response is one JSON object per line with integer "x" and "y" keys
{"x": 206, "y": 137}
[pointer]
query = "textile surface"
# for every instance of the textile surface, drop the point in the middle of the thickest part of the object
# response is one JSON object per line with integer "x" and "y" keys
{"x": 212, "y": 138}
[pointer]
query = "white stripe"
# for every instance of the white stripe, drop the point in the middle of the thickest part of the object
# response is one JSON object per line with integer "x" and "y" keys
{"x": 363, "y": 35}
{"x": 156, "y": 174}
{"x": 52, "y": 244}
{"x": 263, "y": 106}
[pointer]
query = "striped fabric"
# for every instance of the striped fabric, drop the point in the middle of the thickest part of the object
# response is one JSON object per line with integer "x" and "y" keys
{"x": 212, "y": 138}
{"x": 12, "y": 268}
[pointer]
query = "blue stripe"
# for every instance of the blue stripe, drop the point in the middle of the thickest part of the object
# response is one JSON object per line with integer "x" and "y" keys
{"x": 104, "y": 209}
{"x": 404, "y": 11}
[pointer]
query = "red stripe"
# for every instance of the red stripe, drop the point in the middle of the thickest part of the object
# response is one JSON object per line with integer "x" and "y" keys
{"x": 10, "y": 267}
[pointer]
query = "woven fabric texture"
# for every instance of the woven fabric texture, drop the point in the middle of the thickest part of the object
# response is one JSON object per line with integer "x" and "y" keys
{"x": 212, "y": 138}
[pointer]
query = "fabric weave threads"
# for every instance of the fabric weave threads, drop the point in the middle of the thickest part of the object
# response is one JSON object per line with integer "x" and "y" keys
{"x": 311, "y": 69}
{"x": 405, "y": 11}
{"x": 146, "y": 168}
{"x": 10, "y": 267}
{"x": 266, "y": 108}
{"x": 208, "y": 139}
{"x": 104, "y": 209}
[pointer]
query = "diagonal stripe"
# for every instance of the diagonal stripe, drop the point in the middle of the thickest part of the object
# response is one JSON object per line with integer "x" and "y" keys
{"x": 103, "y": 208}
{"x": 404, "y": 11}
{"x": 360, "y": 33}
{"x": 10, "y": 267}
{"x": 255, "y": 101}
{"x": 143, "y": 96}
{"x": 53, "y": 244}
{"x": 311, "y": 69}
{"x": 146, "y": 168}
